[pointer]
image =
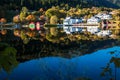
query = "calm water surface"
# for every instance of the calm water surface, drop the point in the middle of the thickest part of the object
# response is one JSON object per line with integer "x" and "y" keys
{"x": 90, "y": 66}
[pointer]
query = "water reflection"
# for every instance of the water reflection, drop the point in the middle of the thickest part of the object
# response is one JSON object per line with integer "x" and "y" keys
{"x": 7, "y": 57}
{"x": 87, "y": 67}
{"x": 114, "y": 61}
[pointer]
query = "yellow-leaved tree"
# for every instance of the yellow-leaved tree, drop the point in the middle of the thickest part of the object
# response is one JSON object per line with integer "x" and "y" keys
{"x": 53, "y": 30}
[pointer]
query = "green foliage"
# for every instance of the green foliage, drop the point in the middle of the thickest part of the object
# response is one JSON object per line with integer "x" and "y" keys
{"x": 106, "y": 69}
{"x": 36, "y": 4}
{"x": 9, "y": 51}
{"x": 65, "y": 5}
{"x": 26, "y": 40}
{"x": 24, "y": 9}
{"x": 52, "y": 38}
{"x": 24, "y": 37}
{"x": 23, "y": 16}
{"x": 51, "y": 12}
{"x": 116, "y": 61}
{"x": 23, "y": 13}
{"x": 7, "y": 57}
{"x": 54, "y": 31}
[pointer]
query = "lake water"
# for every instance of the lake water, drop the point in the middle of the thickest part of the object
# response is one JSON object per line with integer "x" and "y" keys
{"x": 89, "y": 66}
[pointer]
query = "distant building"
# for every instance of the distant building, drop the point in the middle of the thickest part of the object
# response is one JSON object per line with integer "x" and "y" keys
{"x": 68, "y": 25}
{"x": 104, "y": 16}
{"x": 69, "y": 20}
{"x": 93, "y": 20}
{"x": 75, "y": 25}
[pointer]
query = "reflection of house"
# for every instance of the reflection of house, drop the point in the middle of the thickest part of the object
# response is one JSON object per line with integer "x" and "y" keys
{"x": 104, "y": 33}
{"x": 93, "y": 20}
{"x": 68, "y": 25}
{"x": 93, "y": 25}
{"x": 71, "y": 29}
{"x": 93, "y": 29}
{"x": 114, "y": 25}
{"x": 80, "y": 27}
{"x": 110, "y": 24}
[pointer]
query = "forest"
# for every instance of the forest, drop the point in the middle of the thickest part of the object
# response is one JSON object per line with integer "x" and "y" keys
{"x": 35, "y": 4}
{"x": 9, "y": 8}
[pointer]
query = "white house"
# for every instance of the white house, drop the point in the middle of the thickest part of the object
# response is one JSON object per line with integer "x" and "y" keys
{"x": 75, "y": 25}
{"x": 104, "y": 16}
{"x": 93, "y": 20}
{"x": 68, "y": 25}
{"x": 69, "y": 20}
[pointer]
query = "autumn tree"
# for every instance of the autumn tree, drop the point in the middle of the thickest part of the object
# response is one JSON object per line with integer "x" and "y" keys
{"x": 3, "y": 20}
{"x": 31, "y": 18}
{"x": 52, "y": 11}
{"x": 23, "y": 13}
{"x": 16, "y": 19}
{"x": 17, "y": 32}
{"x": 53, "y": 20}
{"x": 24, "y": 36}
{"x": 3, "y": 32}
{"x": 31, "y": 33}
{"x": 41, "y": 11}
{"x": 53, "y": 30}
{"x": 42, "y": 17}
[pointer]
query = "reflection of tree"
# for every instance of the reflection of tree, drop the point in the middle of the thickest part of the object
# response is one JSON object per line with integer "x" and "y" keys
{"x": 51, "y": 38}
{"x": 107, "y": 69}
{"x": 24, "y": 37}
{"x": 7, "y": 57}
{"x": 83, "y": 78}
{"x": 116, "y": 61}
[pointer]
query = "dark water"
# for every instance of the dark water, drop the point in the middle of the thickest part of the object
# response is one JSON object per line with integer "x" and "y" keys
{"x": 90, "y": 67}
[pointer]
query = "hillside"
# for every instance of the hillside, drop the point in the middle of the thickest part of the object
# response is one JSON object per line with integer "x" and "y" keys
{"x": 36, "y": 4}
{"x": 116, "y": 2}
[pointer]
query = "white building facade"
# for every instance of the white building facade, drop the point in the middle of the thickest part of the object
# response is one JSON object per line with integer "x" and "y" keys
{"x": 93, "y": 20}
{"x": 68, "y": 25}
{"x": 69, "y": 20}
{"x": 104, "y": 16}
